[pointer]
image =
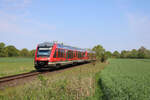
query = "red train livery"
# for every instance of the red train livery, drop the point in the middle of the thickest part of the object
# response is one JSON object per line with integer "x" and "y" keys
{"x": 49, "y": 55}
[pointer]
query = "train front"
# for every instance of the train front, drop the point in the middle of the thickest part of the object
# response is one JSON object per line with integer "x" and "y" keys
{"x": 42, "y": 56}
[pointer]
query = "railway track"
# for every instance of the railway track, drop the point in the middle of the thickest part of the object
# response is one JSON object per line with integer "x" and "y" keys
{"x": 14, "y": 80}
{"x": 18, "y": 76}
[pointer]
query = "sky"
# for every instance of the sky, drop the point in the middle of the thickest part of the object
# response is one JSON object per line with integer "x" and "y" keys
{"x": 114, "y": 24}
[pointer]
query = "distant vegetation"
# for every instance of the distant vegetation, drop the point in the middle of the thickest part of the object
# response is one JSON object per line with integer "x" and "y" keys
{"x": 141, "y": 53}
{"x": 101, "y": 54}
{"x": 12, "y": 51}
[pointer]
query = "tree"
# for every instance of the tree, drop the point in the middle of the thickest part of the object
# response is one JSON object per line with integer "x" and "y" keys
{"x": 124, "y": 54}
{"x": 142, "y": 52}
{"x": 105, "y": 56}
{"x": 3, "y": 52}
{"x": 116, "y": 54}
{"x": 108, "y": 54}
{"x": 99, "y": 51}
{"x": 133, "y": 54}
{"x": 12, "y": 51}
{"x": 24, "y": 53}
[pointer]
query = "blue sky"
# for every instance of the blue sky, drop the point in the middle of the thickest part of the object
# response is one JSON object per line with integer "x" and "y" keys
{"x": 114, "y": 24}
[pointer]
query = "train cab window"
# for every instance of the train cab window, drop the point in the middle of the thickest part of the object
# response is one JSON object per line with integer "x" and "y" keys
{"x": 44, "y": 51}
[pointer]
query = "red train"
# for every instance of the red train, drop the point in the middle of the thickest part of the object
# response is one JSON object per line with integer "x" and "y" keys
{"x": 49, "y": 55}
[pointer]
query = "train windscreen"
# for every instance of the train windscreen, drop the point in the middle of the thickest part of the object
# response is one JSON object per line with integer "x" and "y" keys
{"x": 44, "y": 52}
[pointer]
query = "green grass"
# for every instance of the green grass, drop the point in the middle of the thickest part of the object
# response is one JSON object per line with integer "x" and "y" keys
{"x": 122, "y": 79}
{"x": 77, "y": 83}
{"x": 13, "y": 65}
{"x": 126, "y": 79}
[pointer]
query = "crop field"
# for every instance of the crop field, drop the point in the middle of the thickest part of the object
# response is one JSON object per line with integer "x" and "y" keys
{"x": 126, "y": 79}
{"x": 13, "y": 65}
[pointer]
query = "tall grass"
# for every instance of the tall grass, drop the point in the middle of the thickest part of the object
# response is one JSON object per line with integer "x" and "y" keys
{"x": 77, "y": 83}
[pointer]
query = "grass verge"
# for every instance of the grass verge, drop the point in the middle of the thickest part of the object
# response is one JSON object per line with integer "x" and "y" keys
{"x": 77, "y": 83}
{"x": 14, "y": 65}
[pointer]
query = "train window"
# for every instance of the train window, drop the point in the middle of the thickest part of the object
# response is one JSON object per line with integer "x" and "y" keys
{"x": 74, "y": 53}
{"x": 59, "y": 53}
{"x": 71, "y": 54}
{"x": 62, "y": 53}
{"x": 79, "y": 54}
{"x": 55, "y": 54}
{"x": 84, "y": 54}
{"x": 68, "y": 53}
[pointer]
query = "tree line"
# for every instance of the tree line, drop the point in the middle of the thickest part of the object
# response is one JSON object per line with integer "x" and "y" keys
{"x": 141, "y": 53}
{"x": 12, "y": 51}
{"x": 102, "y": 55}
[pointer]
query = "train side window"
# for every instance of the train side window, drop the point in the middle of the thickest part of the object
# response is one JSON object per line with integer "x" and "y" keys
{"x": 62, "y": 53}
{"x": 71, "y": 54}
{"x": 55, "y": 54}
{"x": 79, "y": 55}
{"x": 68, "y": 53}
{"x": 58, "y": 53}
{"x": 74, "y": 53}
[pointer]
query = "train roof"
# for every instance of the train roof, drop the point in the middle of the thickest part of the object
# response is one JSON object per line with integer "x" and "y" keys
{"x": 46, "y": 44}
{"x": 70, "y": 47}
{"x": 59, "y": 45}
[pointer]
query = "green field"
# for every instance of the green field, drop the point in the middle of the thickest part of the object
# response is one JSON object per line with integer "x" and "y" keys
{"x": 12, "y": 65}
{"x": 121, "y": 79}
{"x": 126, "y": 79}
